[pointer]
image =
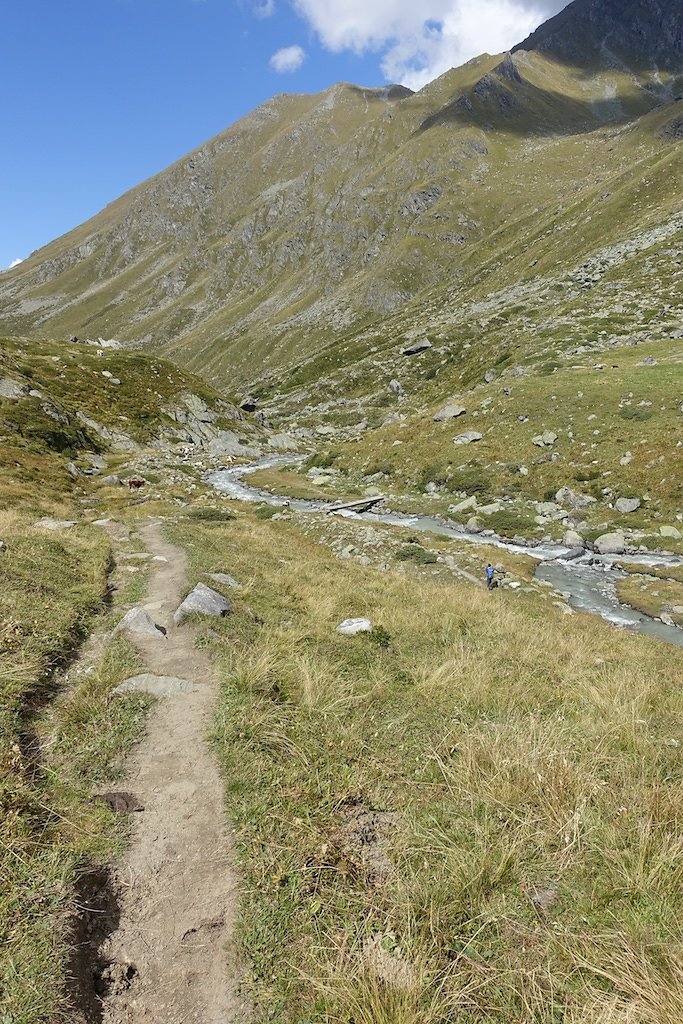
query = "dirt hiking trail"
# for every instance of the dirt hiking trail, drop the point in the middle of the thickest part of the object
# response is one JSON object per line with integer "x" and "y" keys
{"x": 171, "y": 960}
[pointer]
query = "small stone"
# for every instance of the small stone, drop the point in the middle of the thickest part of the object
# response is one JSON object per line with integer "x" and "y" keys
{"x": 351, "y": 627}
{"x": 490, "y": 376}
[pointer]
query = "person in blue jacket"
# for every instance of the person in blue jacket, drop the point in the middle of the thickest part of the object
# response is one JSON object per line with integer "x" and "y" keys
{"x": 490, "y": 573}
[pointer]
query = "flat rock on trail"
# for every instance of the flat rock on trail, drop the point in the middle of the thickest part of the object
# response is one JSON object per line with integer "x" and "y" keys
{"x": 176, "y": 886}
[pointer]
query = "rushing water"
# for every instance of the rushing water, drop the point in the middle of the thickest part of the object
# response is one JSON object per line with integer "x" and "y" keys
{"x": 588, "y": 583}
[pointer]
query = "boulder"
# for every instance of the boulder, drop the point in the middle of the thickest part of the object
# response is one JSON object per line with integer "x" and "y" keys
{"x": 611, "y": 544}
{"x": 671, "y": 532}
{"x": 449, "y": 412}
{"x": 575, "y": 499}
{"x": 396, "y": 389}
{"x": 473, "y": 525}
{"x": 419, "y": 346}
{"x": 469, "y": 437}
{"x": 574, "y": 553}
{"x": 138, "y": 622}
{"x": 202, "y": 601}
{"x": 545, "y": 440}
{"x": 351, "y": 627}
{"x": 110, "y": 481}
{"x": 626, "y": 505}
{"x": 573, "y": 539}
{"x": 490, "y": 376}
{"x": 73, "y": 471}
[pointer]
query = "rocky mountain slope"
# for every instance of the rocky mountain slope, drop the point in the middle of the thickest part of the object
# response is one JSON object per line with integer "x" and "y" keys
{"x": 317, "y": 216}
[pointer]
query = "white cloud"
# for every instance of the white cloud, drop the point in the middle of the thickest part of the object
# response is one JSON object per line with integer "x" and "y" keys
{"x": 265, "y": 9}
{"x": 288, "y": 59}
{"x": 15, "y": 263}
{"x": 420, "y": 40}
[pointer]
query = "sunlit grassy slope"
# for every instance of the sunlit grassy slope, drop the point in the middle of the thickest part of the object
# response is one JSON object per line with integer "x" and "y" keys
{"x": 470, "y": 814}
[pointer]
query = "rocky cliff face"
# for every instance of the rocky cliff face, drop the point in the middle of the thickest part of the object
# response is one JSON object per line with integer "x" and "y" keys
{"x": 641, "y": 33}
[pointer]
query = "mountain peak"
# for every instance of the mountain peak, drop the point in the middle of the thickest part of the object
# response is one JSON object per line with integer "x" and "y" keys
{"x": 639, "y": 33}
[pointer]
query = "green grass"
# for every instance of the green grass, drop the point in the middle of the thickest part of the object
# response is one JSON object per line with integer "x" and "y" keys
{"x": 477, "y": 821}
{"x": 51, "y": 588}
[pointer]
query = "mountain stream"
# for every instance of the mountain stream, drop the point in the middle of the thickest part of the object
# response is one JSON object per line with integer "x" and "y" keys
{"x": 587, "y": 583}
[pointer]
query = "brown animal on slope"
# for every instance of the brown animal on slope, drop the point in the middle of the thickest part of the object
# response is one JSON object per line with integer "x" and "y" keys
{"x": 135, "y": 483}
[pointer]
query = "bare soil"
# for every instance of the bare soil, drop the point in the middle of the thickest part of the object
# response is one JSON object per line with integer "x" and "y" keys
{"x": 171, "y": 959}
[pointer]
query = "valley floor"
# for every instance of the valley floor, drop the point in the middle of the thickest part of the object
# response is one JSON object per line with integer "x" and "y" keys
{"x": 472, "y": 812}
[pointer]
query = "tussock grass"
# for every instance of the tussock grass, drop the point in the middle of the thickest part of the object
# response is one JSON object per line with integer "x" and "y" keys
{"x": 493, "y": 800}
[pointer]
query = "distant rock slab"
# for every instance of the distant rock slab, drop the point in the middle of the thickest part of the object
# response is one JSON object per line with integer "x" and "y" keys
{"x": 351, "y": 627}
{"x": 671, "y": 532}
{"x": 156, "y": 686}
{"x": 469, "y": 437}
{"x": 11, "y": 388}
{"x": 138, "y": 622}
{"x": 55, "y": 524}
{"x": 222, "y": 577}
{"x": 202, "y": 601}
{"x": 450, "y": 412}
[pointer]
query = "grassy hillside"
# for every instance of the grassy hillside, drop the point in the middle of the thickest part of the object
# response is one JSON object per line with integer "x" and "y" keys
{"x": 471, "y": 813}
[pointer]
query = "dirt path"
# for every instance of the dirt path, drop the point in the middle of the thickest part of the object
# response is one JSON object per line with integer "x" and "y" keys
{"x": 177, "y": 887}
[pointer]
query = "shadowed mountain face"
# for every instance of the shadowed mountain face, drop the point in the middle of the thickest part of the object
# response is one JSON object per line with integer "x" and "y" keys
{"x": 641, "y": 33}
{"x": 317, "y": 217}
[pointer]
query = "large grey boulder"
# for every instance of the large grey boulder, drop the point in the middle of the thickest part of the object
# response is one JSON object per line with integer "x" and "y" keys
{"x": 573, "y": 539}
{"x": 450, "y": 412}
{"x": 671, "y": 532}
{"x": 611, "y": 544}
{"x": 396, "y": 388}
{"x": 202, "y": 601}
{"x": 469, "y": 437}
{"x": 138, "y": 622}
{"x": 627, "y": 505}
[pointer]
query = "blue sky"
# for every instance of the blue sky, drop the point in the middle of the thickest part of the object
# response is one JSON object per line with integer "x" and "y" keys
{"x": 101, "y": 94}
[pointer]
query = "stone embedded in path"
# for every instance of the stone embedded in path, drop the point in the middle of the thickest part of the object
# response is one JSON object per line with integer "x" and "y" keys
{"x": 55, "y": 524}
{"x": 450, "y": 412}
{"x": 202, "y": 601}
{"x": 351, "y": 627}
{"x": 626, "y": 505}
{"x": 468, "y": 437}
{"x": 222, "y": 577}
{"x": 156, "y": 686}
{"x": 138, "y": 622}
